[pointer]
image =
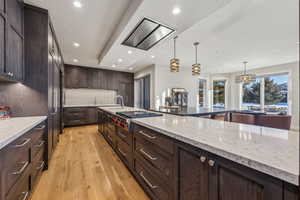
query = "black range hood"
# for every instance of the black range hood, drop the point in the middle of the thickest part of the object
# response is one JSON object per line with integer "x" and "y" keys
{"x": 147, "y": 34}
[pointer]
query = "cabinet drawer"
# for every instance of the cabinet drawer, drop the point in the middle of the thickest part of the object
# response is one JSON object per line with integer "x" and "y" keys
{"x": 16, "y": 161}
{"x": 21, "y": 190}
{"x": 110, "y": 137}
{"x": 125, "y": 135}
{"x": 124, "y": 151}
{"x": 37, "y": 167}
{"x": 74, "y": 115}
{"x": 38, "y": 141}
{"x": 155, "y": 157}
{"x": 154, "y": 137}
{"x": 151, "y": 182}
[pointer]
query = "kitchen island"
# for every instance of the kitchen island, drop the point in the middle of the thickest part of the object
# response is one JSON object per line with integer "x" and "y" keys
{"x": 175, "y": 157}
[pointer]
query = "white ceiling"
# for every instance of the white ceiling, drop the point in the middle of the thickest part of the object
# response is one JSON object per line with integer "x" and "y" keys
{"x": 91, "y": 26}
{"x": 262, "y": 32}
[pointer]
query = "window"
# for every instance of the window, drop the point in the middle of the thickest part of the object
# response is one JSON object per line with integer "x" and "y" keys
{"x": 251, "y": 96}
{"x": 276, "y": 93}
{"x": 219, "y": 93}
{"x": 202, "y": 92}
{"x": 268, "y": 93}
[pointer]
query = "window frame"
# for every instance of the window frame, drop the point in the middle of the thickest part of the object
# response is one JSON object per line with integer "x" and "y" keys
{"x": 262, "y": 89}
{"x": 225, "y": 90}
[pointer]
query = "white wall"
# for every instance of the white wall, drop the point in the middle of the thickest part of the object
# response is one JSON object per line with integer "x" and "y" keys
{"x": 165, "y": 81}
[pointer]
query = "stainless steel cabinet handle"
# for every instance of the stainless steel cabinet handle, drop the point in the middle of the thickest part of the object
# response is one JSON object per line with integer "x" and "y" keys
{"x": 109, "y": 137}
{"x": 202, "y": 159}
{"x": 123, "y": 154}
{"x": 147, "y": 155}
{"x": 148, "y": 136}
{"x": 41, "y": 166}
{"x": 40, "y": 128}
{"x": 41, "y": 144}
{"x": 122, "y": 135}
{"x": 23, "y": 144}
{"x": 25, "y": 164}
{"x": 147, "y": 181}
{"x": 211, "y": 163}
{"x": 25, "y": 195}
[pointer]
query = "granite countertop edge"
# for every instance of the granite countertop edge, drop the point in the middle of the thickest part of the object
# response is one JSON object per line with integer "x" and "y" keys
{"x": 24, "y": 130}
{"x": 261, "y": 167}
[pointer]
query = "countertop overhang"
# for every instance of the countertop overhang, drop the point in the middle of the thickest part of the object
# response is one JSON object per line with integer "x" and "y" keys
{"x": 11, "y": 129}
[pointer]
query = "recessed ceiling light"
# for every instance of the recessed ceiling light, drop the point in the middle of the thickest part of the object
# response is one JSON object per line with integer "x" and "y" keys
{"x": 75, "y": 60}
{"x": 76, "y": 44}
{"x": 113, "y": 66}
{"x": 152, "y": 56}
{"x": 130, "y": 68}
{"x": 120, "y": 60}
{"x": 129, "y": 52}
{"x": 176, "y": 11}
{"x": 77, "y": 4}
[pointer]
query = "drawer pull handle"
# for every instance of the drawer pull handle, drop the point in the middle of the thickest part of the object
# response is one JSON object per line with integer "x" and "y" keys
{"x": 25, "y": 195}
{"x": 148, "y": 136}
{"x": 211, "y": 163}
{"x": 41, "y": 144}
{"x": 147, "y": 155}
{"x": 25, "y": 164}
{"x": 41, "y": 166}
{"x": 40, "y": 128}
{"x": 122, "y": 135}
{"x": 147, "y": 181}
{"x": 123, "y": 154}
{"x": 110, "y": 138}
{"x": 202, "y": 159}
{"x": 23, "y": 144}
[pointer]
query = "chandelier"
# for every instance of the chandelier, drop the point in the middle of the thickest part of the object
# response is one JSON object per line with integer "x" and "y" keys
{"x": 246, "y": 78}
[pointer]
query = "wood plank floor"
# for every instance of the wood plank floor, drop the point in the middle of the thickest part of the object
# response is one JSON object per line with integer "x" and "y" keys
{"x": 84, "y": 167}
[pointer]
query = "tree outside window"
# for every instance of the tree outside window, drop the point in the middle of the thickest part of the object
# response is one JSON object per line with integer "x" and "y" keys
{"x": 219, "y": 93}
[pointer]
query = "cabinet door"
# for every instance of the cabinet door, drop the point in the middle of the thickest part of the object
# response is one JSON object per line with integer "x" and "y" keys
{"x": 2, "y": 5}
{"x": 15, "y": 14}
{"x": 50, "y": 136}
{"x": 14, "y": 54}
{"x": 50, "y": 39}
{"x": 229, "y": 181}
{"x": 193, "y": 176}
{"x": 2, "y": 43}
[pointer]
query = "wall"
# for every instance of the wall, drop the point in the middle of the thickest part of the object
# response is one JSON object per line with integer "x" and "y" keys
{"x": 150, "y": 70}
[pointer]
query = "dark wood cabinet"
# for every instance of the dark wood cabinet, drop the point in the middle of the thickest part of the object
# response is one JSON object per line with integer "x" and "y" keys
{"x": 84, "y": 77}
{"x": 208, "y": 177}
{"x": 22, "y": 162}
{"x": 44, "y": 68}
{"x": 75, "y": 116}
{"x": 2, "y": 43}
{"x": 14, "y": 54}
{"x": 11, "y": 41}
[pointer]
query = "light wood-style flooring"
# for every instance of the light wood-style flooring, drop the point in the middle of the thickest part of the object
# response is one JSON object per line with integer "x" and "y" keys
{"x": 84, "y": 167}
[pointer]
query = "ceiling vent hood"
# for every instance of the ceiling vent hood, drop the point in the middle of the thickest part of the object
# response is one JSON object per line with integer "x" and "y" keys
{"x": 147, "y": 34}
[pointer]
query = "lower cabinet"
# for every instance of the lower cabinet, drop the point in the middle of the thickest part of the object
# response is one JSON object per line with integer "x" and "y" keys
{"x": 80, "y": 116}
{"x": 208, "y": 177}
{"x": 22, "y": 163}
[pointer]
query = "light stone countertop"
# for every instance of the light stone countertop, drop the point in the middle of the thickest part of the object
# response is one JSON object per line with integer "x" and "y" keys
{"x": 11, "y": 129}
{"x": 92, "y": 105}
{"x": 114, "y": 110}
{"x": 271, "y": 151}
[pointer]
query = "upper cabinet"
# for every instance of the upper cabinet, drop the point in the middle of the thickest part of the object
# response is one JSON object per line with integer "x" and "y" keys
{"x": 12, "y": 40}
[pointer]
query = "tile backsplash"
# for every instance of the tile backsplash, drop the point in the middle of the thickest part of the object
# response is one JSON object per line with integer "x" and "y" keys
{"x": 89, "y": 96}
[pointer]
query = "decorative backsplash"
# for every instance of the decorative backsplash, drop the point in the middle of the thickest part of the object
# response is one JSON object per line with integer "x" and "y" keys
{"x": 89, "y": 96}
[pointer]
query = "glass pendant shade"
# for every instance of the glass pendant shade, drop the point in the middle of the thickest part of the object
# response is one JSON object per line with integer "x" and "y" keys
{"x": 245, "y": 77}
{"x": 196, "y": 68}
{"x": 174, "y": 62}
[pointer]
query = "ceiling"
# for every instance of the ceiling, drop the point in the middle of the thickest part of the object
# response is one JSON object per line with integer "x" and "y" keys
{"x": 262, "y": 32}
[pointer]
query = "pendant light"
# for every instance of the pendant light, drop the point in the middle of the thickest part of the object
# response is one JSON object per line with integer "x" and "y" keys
{"x": 246, "y": 78}
{"x": 196, "y": 67}
{"x": 174, "y": 62}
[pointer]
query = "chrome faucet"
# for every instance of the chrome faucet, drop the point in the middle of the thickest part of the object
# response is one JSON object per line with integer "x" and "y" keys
{"x": 121, "y": 99}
